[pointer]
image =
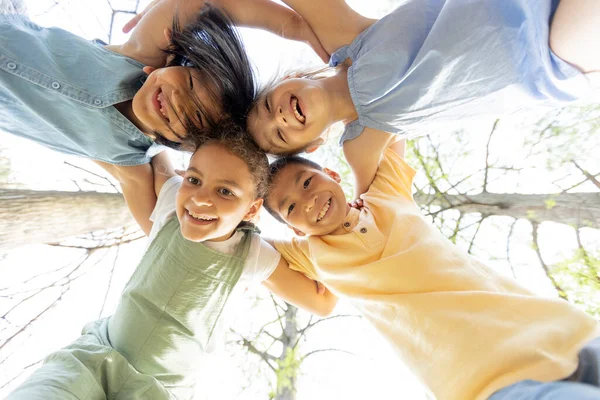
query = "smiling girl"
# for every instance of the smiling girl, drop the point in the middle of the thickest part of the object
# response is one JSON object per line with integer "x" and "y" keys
{"x": 426, "y": 64}
{"x": 112, "y": 103}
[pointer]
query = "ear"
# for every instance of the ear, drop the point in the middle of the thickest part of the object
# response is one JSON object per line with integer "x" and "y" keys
{"x": 333, "y": 175}
{"x": 148, "y": 69}
{"x": 296, "y": 231}
{"x": 253, "y": 210}
{"x": 314, "y": 145}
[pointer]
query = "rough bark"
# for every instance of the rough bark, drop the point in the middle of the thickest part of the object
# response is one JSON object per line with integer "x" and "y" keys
{"x": 575, "y": 209}
{"x": 28, "y": 216}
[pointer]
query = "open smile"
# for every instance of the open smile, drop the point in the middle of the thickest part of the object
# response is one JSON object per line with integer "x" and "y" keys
{"x": 199, "y": 219}
{"x": 324, "y": 210}
{"x": 296, "y": 109}
{"x": 160, "y": 104}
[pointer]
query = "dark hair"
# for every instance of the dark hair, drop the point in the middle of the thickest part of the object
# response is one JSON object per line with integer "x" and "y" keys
{"x": 275, "y": 168}
{"x": 237, "y": 141}
{"x": 212, "y": 46}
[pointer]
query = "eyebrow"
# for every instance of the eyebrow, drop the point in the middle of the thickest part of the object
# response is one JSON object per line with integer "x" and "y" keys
{"x": 222, "y": 181}
{"x": 284, "y": 199}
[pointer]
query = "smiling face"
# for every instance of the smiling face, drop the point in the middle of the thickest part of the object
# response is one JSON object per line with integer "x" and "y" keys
{"x": 309, "y": 200}
{"x": 290, "y": 117}
{"x": 167, "y": 97}
{"x": 216, "y": 195}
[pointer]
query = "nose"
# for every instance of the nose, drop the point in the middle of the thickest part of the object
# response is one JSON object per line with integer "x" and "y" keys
{"x": 280, "y": 117}
{"x": 310, "y": 203}
{"x": 177, "y": 102}
{"x": 201, "y": 197}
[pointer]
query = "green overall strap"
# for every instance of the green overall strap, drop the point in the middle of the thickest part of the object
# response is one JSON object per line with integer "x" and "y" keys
{"x": 170, "y": 307}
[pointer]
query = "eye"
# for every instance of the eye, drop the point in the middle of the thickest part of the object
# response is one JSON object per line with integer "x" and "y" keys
{"x": 225, "y": 192}
{"x": 267, "y": 104}
{"x": 291, "y": 208}
{"x": 193, "y": 180}
{"x": 307, "y": 182}
{"x": 280, "y": 135}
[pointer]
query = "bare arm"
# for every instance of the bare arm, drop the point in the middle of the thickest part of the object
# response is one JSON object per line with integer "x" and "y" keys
{"x": 363, "y": 154}
{"x": 334, "y": 22}
{"x": 137, "y": 185}
{"x": 297, "y": 289}
{"x": 163, "y": 170}
{"x": 149, "y": 37}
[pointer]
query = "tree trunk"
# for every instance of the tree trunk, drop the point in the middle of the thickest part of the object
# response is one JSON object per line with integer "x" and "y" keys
{"x": 28, "y": 216}
{"x": 575, "y": 209}
{"x": 288, "y": 361}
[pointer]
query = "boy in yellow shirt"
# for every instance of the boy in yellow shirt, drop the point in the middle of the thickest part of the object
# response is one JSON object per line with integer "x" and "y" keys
{"x": 465, "y": 330}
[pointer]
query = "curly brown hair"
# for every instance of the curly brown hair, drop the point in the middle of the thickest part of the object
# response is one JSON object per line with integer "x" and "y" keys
{"x": 238, "y": 142}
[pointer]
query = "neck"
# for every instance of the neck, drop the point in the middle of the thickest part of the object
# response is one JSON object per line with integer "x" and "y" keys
{"x": 342, "y": 107}
{"x": 126, "y": 109}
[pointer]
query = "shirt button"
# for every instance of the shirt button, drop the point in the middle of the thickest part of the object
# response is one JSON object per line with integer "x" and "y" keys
{"x": 55, "y": 85}
{"x": 97, "y": 102}
{"x": 11, "y": 65}
{"x": 347, "y": 224}
{"x": 363, "y": 230}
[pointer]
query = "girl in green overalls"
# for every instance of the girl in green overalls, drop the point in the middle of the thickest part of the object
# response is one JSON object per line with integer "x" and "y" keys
{"x": 202, "y": 250}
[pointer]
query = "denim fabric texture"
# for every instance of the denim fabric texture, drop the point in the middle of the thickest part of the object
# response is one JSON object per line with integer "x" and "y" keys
{"x": 59, "y": 90}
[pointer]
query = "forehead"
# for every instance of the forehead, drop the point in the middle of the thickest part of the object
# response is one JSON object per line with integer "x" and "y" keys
{"x": 287, "y": 180}
{"x": 215, "y": 161}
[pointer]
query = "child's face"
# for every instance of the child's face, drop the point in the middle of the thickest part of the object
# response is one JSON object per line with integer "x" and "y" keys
{"x": 216, "y": 195}
{"x": 290, "y": 117}
{"x": 167, "y": 96}
{"x": 310, "y": 201}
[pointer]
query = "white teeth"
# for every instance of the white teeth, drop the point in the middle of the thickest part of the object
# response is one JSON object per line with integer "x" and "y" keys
{"x": 324, "y": 210}
{"x": 161, "y": 101}
{"x": 296, "y": 109}
{"x": 200, "y": 216}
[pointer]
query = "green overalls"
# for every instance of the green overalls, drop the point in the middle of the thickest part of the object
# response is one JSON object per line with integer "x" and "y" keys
{"x": 151, "y": 347}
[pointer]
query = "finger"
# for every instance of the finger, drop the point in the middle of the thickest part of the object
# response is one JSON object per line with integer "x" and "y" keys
{"x": 320, "y": 288}
{"x": 131, "y": 23}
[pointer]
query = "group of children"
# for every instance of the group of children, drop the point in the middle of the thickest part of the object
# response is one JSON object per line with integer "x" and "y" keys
{"x": 183, "y": 80}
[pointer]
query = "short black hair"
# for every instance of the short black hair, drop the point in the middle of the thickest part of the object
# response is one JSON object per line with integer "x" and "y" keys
{"x": 212, "y": 46}
{"x": 275, "y": 168}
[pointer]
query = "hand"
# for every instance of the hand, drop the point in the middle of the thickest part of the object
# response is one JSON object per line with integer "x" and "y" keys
{"x": 320, "y": 288}
{"x": 358, "y": 204}
{"x": 134, "y": 21}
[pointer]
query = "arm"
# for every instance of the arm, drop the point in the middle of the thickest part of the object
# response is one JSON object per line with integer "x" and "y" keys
{"x": 149, "y": 37}
{"x": 137, "y": 186}
{"x": 334, "y": 22}
{"x": 163, "y": 170}
{"x": 297, "y": 289}
{"x": 363, "y": 154}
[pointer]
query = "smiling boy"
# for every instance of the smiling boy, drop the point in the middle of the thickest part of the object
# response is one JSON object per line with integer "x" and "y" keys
{"x": 463, "y": 329}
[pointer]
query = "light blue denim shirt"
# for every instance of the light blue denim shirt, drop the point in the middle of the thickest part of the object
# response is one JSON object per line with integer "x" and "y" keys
{"x": 431, "y": 62}
{"x": 59, "y": 90}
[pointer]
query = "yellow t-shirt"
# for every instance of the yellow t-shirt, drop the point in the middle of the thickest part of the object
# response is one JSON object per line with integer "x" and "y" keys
{"x": 464, "y": 329}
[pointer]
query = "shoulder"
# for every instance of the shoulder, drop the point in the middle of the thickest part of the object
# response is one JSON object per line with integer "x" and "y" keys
{"x": 261, "y": 261}
{"x": 394, "y": 176}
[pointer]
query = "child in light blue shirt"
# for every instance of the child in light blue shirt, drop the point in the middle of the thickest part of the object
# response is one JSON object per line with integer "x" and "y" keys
{"x": 426, "y": 64}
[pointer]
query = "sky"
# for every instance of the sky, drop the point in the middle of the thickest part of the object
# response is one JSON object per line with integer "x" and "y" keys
{"x": 372, "y": 372}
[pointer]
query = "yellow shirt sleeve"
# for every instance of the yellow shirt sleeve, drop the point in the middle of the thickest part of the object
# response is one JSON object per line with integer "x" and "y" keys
{"x": 394, "y": 176}
{"x": 296, "y": 253}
